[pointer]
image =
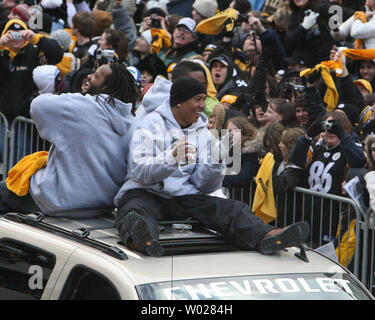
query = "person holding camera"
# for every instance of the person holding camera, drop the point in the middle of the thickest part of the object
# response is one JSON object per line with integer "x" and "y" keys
{"x": 111, "y": 47}
{"x": 20, "y": 49}
{"x": 306, "y": 31}
{"x": 154, "y": 18}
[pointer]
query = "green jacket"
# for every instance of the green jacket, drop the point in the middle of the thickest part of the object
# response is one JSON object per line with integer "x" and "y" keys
{"x": 210, "y": 104}
{"x": 171, "y": 55}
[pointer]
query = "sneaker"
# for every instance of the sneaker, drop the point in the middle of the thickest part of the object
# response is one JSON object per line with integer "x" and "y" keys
{"x": 141, "y": 237}
{"x": 290, "y": 236}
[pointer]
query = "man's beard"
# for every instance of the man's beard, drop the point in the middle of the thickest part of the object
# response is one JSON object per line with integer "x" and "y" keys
{"x": 94, "y": 90}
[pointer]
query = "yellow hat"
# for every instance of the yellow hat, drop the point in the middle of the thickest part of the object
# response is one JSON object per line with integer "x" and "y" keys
{"x": 214, "y": 25}
{"x": 364, "y": 83}
{"x": 228, "y": 98}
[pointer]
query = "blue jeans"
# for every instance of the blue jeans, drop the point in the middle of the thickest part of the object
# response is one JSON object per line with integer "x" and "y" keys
{"x": 10, "y": 202}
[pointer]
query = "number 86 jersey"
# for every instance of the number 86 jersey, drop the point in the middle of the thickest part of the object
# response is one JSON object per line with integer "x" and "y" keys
{"x": 327, "y": 169}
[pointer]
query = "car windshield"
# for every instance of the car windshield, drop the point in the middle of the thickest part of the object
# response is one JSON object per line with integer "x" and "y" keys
{"x": 311, "y": 286}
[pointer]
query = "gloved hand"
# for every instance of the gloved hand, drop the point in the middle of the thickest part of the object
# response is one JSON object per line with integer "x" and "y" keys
{"x": 310, "y": 20}
{"x": 336, "y": 128}
{"x": 313, "y": 77}
{"x": 315, "y": 129}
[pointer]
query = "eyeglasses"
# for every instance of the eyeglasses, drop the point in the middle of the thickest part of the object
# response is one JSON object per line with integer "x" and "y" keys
{"x": 183, "y": 29}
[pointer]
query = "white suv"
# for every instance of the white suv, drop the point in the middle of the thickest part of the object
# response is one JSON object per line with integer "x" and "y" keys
{"x": 60, "y": 258}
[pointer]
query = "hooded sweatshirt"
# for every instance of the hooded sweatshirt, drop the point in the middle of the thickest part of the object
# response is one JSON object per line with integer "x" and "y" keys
{"x": 233, "y": 83}
{"x": 45, "y": 78}
{"x": 159, "y": 92}
{"x": 151, "y": 165}
{"x": 87, "y": 163}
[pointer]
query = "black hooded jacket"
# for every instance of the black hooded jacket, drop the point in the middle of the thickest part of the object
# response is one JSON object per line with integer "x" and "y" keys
{"x": 233, "y": 83}
{"x": 319, "y": 42}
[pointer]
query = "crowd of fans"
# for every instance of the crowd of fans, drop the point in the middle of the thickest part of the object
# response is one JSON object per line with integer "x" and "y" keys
{"x": 296, "y": 77}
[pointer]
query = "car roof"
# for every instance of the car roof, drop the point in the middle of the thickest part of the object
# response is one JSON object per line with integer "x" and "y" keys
{"x": 191, "y": 254}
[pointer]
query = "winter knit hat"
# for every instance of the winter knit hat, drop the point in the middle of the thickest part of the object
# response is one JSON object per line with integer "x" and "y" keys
{"x": 44, "y": 78}
{"x": 62, "y": 37}
{"x": 22, "y": 10}
{"x": 206, "y": 8}
{"x": 185, "y": 88}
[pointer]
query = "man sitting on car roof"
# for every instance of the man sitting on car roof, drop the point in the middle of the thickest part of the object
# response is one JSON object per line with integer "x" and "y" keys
{"x": 171, "y": 169}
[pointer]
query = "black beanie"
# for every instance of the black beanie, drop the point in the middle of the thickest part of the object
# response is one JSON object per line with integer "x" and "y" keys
{"x": 185, "y": 88}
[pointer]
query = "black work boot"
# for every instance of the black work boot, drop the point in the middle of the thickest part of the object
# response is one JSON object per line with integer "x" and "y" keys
{"x": 290, "y": 236}
{"x": 141, "y": 238}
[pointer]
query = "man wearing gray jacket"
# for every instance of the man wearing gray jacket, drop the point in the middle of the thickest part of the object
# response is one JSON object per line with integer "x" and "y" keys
{"x": 172, "y": 166}
{"x": 86, "y": 163}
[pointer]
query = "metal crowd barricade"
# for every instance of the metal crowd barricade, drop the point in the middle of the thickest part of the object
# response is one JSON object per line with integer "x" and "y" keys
{"x": 24, "y": 140}
{"x": 368, "y": 262}
{"x": 324, "y": 212}
{"x": 4, "y": 139}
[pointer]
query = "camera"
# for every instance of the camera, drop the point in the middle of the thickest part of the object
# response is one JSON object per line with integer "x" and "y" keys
{"x": 243, "y": 18}
{"x": 290, "y": 89}
{"x": 297, "y": 87}
{"x": 106, "y": 54}
{"x": 16, "y": 35}
{"x": 155, "y": 23}
{"x": 327, "y": 125}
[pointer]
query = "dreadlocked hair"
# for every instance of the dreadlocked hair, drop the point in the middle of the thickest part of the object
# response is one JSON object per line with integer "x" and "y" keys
{"x": 120, "y": 84}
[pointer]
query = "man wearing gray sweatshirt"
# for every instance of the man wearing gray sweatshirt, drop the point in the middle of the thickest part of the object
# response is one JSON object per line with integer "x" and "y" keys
{"x": 86, "y": 164}
{"x": 173, "y": 165}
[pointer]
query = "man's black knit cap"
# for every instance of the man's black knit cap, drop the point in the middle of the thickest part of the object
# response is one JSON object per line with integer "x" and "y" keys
{"x": 185, "y": 88}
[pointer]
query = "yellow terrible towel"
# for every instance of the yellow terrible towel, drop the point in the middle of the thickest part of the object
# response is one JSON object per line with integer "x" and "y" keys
{"x": 359, "y": 15}
{"x": 336, "y": 66}
{"x": 359, "y": 54}
{"x": 331, "y": 96}
{"x": 162, "y": 40}
{"x": 18, "y": 180}
{"x": 216, "y": 24}
{"x": 264, "y": 200}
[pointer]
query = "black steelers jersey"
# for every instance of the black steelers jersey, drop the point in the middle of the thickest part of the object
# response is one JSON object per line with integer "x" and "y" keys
{"x": 327, "y": 170}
